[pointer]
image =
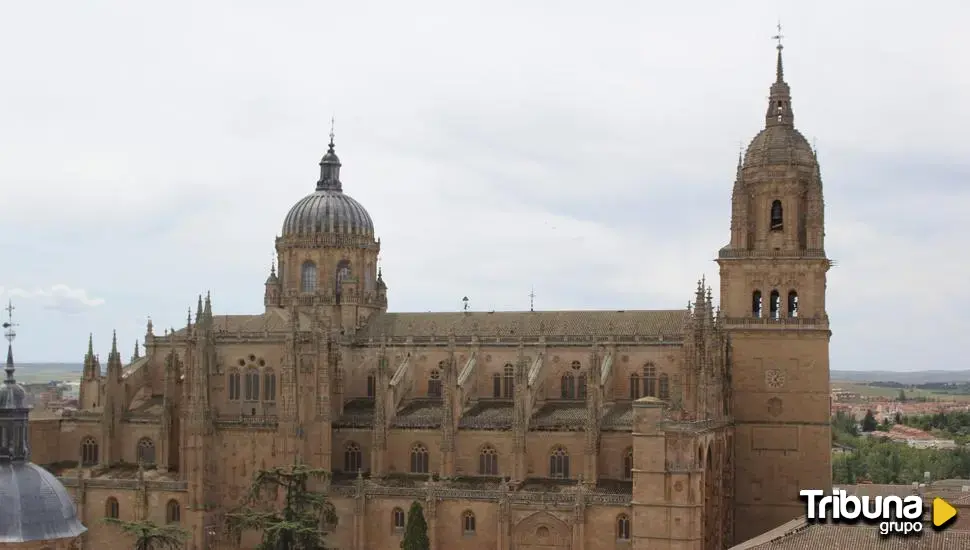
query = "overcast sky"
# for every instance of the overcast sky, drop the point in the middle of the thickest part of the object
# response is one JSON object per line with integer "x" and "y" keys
{"x": 585, "y": 149}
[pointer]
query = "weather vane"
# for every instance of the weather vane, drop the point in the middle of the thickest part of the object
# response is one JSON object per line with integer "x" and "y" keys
{"x": 10, "y": 334}
{"x": 532, "y": 299}
{"x": 778, "y": 36}
{"x": 332, "y": 121}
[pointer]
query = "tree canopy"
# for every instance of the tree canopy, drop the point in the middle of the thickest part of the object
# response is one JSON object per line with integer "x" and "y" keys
{"x": 148, "y": 535}
{"x": 416, "y": 530}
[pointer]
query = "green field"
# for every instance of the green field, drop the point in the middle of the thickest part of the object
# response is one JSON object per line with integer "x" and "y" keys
{"x": 871, "y": 391}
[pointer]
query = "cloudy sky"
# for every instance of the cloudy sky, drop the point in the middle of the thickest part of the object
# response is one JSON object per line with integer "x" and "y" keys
{"x": 147, "y": 155}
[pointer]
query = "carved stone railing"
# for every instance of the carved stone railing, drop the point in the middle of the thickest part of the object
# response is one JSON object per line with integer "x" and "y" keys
{"x": 777, "y": 322}
{"x": 141, "y": 418}
{"x": 265, "y": 421}
{"x": 732, "y": 254}
{"x": 514, "y": 341}
{"x": 516, "y": 497}
{"x": 355, "y": 421}
{"x": 159, "y": 485}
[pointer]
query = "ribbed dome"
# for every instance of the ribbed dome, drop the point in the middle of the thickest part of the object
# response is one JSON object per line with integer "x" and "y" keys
{"x": 328, "y": 211}
{"x": 34, "y": 505}
{"x": 779, "y": 145}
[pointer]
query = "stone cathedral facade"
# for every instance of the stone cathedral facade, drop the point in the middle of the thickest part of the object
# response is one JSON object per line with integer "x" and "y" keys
{"x": 584, "y": 430}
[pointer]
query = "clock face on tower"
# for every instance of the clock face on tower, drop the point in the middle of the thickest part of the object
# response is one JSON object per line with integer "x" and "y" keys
{"x": 774, "y": 378}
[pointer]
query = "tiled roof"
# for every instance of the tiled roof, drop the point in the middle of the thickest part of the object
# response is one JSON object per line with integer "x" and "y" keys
{"x": 560, "y": 415}
{"x": 420, "y": 413}
{"x": 619, "y": 417}
{"x": 358, "y": 413}
{"x": 667, "y": 323}
{"x": 800, "y": 535}
{"x": 275, "y": 320}
{"x": 488, "y": 415}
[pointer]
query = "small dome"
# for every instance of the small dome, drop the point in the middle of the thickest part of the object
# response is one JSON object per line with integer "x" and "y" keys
{"x": 34, "y": 506}
{"x": 12, "y": 396}
{"x": 779, "y": 145}
{"x": 328, "y": 211}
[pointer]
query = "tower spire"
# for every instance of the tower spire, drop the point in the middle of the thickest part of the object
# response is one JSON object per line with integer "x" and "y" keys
{"x": 779, "y": 67}
{"x": 779, "y": 101}
{"x": 10, "y": 334}
{"x": 330, "y": 167}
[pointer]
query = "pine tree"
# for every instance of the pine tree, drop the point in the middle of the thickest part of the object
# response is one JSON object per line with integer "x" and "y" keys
{"x": 416, "y": 531}
{"x": 869, "y": 423}
{"x": 303, "y": 523}
{"x": 149, "y": 536}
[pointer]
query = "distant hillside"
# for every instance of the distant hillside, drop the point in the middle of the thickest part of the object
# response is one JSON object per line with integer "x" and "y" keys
{"x": 908, "y": 377}
{"x": 32, "y": 373}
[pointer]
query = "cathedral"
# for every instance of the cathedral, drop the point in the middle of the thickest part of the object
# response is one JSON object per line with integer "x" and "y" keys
{"x": 689, "y": 429}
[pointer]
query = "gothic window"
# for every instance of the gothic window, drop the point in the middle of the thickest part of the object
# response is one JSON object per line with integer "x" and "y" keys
{"x": 774, "y": 304}
{"x": 397, "y": 519}
{"x": 628, "y": 464}
{"x": 568, "y": 386}
{"x": 488, "y": 461}
{"x": 509, "y": 381}
{"x": 649, "y": 380}
{"x": 353, "y": 458}
{"x": 623, "y": 527}
{"x": 468, "y": 522}
{"x": 173, "y": 512}
{"x": 111, "y": 508}
{"x": 756, "y": 304}
{"x": 496, "y": 385}
{"x": 146, "y": 451}
{"x": 251, "y": 385}
{"x": 89, "y": 452}
{"x": 664, "y": 387}
{"x": 559, "y": 463}
{"x": 419, "y": 459}
{"x": 269, "y": 385}
{"x": 634, "y": 386}
{"x": 234, "y": 385}
{"x": 581, "y": 387}
{"x": 308, "y": 277}
{"x": 434, "y": 384}
{"x": 369, "y": 278}
{"x": 777, "y": 219}
{"x": 371, "y": 386}
{"x": 792, "y": 304}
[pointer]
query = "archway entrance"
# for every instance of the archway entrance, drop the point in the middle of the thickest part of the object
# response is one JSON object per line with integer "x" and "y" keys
{"x": 541, "y": 531}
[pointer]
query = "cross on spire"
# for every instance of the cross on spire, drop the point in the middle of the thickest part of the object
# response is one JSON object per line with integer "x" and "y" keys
{"x": 332, "y": 121}
{"x": 532, "y": 299}
{"x": 779, "y": 36}
{"x": 10, "y": 334}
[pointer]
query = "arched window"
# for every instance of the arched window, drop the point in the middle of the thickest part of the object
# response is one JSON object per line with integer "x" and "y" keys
{"x": 173, "y": 512}
{"x": 343, "y": 272}
{"x": 634, "y": 386}
{"x": 568, "y": 389}
{"x": 269, "y": 385}
{"x": 488, "y": 461}
{"x": 89, "y": 452}
{"x": 251, "y": 385}
{"x": 397, "y": 519}
{"x": 649, "y": 380}
{"x": 434, "y": 383}
{"x": 622, "y": 527}
{"x": 468, "y": 522}
{"x": 774, "y": 304}
{"x": 234, "y": 385}
{"x": 581, "y": 387}
{"x": 792, "y": 304}
{"x": 777, "y": 219}
{"x": 146, "y": 451}
{"x": 419, "y": 459}
{"x": 496, "y": 385}
{"x": 509, "y": 383}
{"x": 628, "y": 463}
{"x": 353, "y": 458}
{"x": 371, "y": 386}
{"x": 308, "y": 277}
{"x": 756, "y": 304}
{"x": 111, "y": 508}
{"x": 559, "y": 463}
{"x": 664, "y": 387}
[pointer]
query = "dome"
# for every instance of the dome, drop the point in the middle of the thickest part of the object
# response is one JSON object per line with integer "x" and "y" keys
{"x": 779, "y": 145}
{"x": 34, "y": 506}
{"x": 328, "y": 209}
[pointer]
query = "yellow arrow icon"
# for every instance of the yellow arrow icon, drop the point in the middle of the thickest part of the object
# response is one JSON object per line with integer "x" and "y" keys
{"x": 943, "y": 512}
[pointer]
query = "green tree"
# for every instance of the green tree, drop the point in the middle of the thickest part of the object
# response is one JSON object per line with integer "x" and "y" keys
{"x": 416, "y": 531}
{"x": 902, "y": 396}
{"x": 305, "y": 519}
{"x": 150, "y": 536}
{"x": 869, "y": 422}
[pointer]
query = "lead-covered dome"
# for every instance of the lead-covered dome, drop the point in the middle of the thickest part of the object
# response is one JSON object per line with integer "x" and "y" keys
{"x": 34, "y": 506}
{"x": 328, "y": 209}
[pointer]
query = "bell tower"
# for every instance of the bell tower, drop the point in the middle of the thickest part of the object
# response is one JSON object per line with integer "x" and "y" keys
{"x": 773, "y": 280}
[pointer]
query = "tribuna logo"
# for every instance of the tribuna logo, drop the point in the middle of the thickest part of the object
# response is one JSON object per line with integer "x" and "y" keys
{"x": 894, "y": 515}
